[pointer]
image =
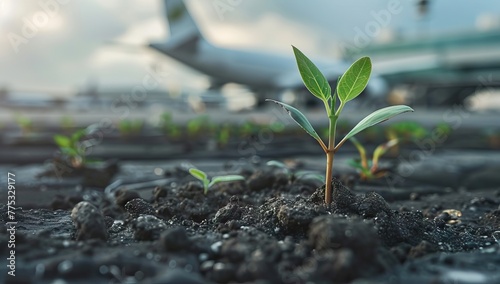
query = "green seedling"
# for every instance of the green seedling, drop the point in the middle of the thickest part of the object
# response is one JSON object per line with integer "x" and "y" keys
{"x": 277, "y": 127}
{"x": 248, "y": 128}
{"x": 443, "y": 128}
{"x": 406, "y": 131}
{"x": 207, "y": 184}
{"x": 309, "y": 175}
{"x": 223, "y": 135}
{"x": 279, "y": 165}
{"x": 25, "y": 123}
{"x": 349, "y": 86}
{"x": 369, "y": 170}
{"x": 196, "y": 125}
{"x": 70, "y": 147}
{"x": 168, "y": 127}
{"x": 130, "y": 127}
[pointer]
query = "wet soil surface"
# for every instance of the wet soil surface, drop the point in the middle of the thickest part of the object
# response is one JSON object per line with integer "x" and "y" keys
{"x": 271, "y": 228}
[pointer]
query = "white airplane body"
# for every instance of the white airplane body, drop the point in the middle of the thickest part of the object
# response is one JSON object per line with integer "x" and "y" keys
{"x": 265, "y": 73}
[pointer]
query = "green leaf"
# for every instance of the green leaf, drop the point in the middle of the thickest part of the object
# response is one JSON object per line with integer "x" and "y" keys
{"x": 354, "y": 80}
{"x": 227, "y": 178}
{"x": 313, "y": 79}
{"x": 277, "y": 164}
{"x": 309, "y": 175}
{"x": 376, "y": 117}
{"x": 62, "y": 141}
{"x": 299, "y": 118}
{"x": 75, "y": 137}
{"x": 198, "y": 174}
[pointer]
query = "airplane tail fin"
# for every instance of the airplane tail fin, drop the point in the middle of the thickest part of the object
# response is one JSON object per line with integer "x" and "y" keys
{"x": 182, "y": 26}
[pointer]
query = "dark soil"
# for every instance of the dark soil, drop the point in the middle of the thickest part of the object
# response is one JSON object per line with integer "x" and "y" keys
{"x": 271, "y": 228}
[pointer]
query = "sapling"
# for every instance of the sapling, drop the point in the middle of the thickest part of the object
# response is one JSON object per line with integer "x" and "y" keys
{"x": 24, "y": 123}
{"x": 198, "y": 124}
{"x": 368, "y": 169}
{"x": 223, "y": 134}
{"x": 406, "y": 131}
{"x": 207, "y": 184}
{"x": 349, "y": 86}
{"x": 70, "y": 147}
{"x": 168, "y": 127}
{"x": 128, "y": 127}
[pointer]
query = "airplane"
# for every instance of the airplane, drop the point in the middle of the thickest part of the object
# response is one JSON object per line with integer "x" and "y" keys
{"x": 268, "y": 75}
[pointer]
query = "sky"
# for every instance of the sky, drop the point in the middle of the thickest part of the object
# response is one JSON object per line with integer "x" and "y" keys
{"x": 65, "y": 45}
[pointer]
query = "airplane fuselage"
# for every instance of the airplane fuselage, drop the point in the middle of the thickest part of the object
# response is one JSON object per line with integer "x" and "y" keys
{"x": 250, "y": 68}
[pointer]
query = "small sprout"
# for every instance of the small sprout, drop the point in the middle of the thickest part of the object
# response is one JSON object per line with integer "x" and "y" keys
{"x": 196, "y": 125}
{"x": 207, "y": 184}
{"x": 370, "y": 169}
{"x": 70, "y": 147}
{"x": 248, "y": 128}
{"x": 309, "y": 175}
{"x": 274, "y": 163}
{"x": 223, "y": 135}
{"x": 350, "y": 85}
{"x": 168, "y": 127}
{"x": 443, "y": 129}
{"x": 130, "y": 127}
{"x": 280, "y": 165}
{"x": 24, "y": 123}
{"x": 407, "y": 131}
